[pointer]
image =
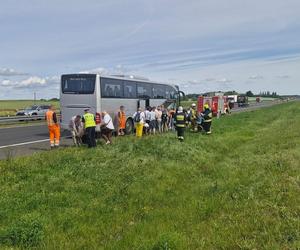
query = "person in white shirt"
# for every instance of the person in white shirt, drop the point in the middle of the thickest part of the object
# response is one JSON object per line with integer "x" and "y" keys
{"x": 158, "y": 114}
{"x": 139, "y": 120}
{"x": 107, "y": 127}
{"x": 152, "y": 118}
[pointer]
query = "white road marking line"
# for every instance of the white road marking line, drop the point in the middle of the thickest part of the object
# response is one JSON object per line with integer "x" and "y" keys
{"x": 23, "y": 143}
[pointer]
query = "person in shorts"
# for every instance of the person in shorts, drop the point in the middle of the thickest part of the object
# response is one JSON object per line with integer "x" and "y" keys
{"x": 107, "y": 127}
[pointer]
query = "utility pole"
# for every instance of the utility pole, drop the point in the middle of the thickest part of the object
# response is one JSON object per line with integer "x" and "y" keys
{"x": 34, "y": 97}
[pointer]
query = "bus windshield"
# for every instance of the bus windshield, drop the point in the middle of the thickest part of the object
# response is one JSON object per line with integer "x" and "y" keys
{"x": 78, "y": 84}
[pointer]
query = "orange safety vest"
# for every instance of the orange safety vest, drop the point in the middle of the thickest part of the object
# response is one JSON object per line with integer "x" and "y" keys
{"x": 49, "y": 118}
{"x": 122, "y": 119}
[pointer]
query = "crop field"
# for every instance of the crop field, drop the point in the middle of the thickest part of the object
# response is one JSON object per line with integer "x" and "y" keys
{"x": 10, "y": 107}
{"x": 235, "y": 189}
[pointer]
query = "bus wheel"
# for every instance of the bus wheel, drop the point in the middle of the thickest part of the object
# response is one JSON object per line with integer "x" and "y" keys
{"x": 129, "y": 127}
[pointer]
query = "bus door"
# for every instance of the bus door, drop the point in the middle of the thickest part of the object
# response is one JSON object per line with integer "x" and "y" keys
{"x": 143, "y": 103}
{"x": 180, "y": 95}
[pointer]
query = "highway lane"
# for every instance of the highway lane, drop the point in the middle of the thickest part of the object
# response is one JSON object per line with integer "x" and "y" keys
{"x": 27, "y": 140}
{"x": 21, "y": 134}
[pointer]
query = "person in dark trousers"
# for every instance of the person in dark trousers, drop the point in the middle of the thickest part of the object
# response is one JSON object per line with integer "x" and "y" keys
{"x": 89, "y": 122}
{"x": 180, "y": 123}
{"x": 207, "y": 116}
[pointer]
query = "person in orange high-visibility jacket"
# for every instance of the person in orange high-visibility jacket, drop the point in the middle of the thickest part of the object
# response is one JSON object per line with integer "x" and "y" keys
{"x": 122, "y": 121}
{"x": 53, "y": 126}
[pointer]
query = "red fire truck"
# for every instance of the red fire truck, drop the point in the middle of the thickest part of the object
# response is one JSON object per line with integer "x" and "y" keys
{"x": 218, "y": 104}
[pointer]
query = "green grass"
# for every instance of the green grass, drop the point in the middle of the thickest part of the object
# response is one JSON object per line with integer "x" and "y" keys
{"x": 10, "y": 107}
{"x": 187, "y": 104}
{"x": 236, "y": 189}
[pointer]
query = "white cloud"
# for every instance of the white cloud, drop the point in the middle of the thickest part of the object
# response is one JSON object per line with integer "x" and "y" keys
{"x": 5, "y": 83}
{"x": 283, "y": 76}
{"x": 10, "y": 72}
{"x": 195, "y": 82}
{"x": 31, "y": 82}
{"x": 99, "y": 70}
{"x": 224, "y": 80}
{"x": 210, "y": 79}
{"x": 256, "y": 77}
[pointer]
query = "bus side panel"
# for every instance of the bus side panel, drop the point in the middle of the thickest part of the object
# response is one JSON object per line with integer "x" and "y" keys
{"x": 111, "y": 105}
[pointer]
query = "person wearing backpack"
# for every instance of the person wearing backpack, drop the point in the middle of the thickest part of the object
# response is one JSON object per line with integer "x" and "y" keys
{"x": 139, "y": 119}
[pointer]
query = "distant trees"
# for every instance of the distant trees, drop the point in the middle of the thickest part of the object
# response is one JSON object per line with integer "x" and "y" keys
{"x": 54, "y": 99}
{"x": 268, "y": 94}
{"x": 249, "y": 93}
{"x": 232, "y": 92}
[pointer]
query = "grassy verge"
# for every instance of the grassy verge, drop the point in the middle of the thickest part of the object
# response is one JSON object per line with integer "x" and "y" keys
{"x": 236, "y": 189}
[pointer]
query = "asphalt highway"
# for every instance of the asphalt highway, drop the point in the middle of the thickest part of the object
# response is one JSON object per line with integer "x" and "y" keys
{"x": 26, "y": 140}
{"x": 22, "y": 134}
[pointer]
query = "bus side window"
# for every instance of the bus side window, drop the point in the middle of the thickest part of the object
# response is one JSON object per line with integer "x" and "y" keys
{"x": 129, "y": 89}
{"x": 144, "y": 90}
{"x": 111, "y": 88}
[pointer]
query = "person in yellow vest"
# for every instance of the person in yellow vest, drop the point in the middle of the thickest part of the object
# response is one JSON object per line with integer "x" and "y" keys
{"x": 53, "y": 127}
{"x": 89, "y": 122}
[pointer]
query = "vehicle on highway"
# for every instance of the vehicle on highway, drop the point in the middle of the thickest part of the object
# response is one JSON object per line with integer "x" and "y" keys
{"x": 35, "y": 110}
{"x": 242, "y": 101}
{"x": 98, "y": 93}
{"x": 230, "y": 102}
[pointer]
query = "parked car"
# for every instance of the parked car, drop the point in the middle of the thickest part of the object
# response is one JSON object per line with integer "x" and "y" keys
{"x": 35, "y": 110}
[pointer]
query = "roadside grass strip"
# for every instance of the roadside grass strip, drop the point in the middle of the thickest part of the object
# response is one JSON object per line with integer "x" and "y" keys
{"x": 235, "y": 189}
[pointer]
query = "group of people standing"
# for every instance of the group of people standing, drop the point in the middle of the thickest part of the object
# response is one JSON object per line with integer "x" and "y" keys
{"x": 152, "y": 120}
{"x": 161, "y": 120}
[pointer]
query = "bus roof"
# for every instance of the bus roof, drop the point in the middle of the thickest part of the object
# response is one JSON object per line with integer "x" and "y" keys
{"x": 123, "y": 77}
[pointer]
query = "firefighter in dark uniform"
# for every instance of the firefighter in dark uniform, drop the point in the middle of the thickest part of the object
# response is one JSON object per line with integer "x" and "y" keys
{"x": 207, "y": 116}
{"x": 180, "y": 123}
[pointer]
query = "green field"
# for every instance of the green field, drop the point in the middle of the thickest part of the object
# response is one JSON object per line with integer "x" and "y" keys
{"x": 10, "y": 107}
{"x": 235, "y": 189}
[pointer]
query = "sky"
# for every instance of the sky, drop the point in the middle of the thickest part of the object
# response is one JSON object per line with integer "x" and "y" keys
{"x": 200, "y": 45}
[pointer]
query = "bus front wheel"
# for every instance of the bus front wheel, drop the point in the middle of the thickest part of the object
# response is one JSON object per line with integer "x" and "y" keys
{"x": 129, "y": 127}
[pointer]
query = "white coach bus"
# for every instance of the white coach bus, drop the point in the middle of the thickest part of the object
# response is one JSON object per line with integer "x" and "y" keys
{"x": 99, "y": 93}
